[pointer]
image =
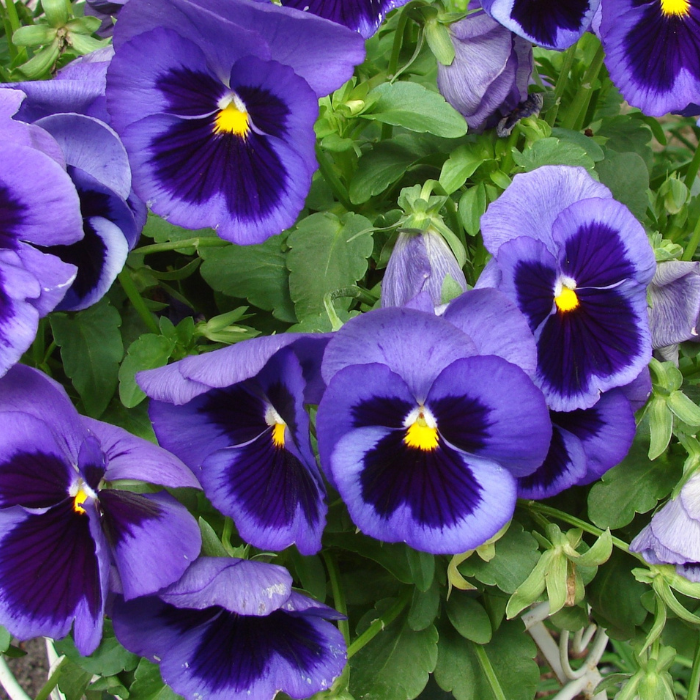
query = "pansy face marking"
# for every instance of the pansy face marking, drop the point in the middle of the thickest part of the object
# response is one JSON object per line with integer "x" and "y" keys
{"x": 421, "y": 430}
{"x": 275, "y": 421}
{"x": 233, "y": 117}
{"x": 565, "y": 296}
{"x": 679, "y": 8}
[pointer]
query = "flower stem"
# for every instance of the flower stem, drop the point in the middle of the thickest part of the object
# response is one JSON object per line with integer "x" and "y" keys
{"x": 51, "y": 683}
{"x": 694, "y": 682}
{"x": 692, "y": 172}
{"x": 137, "y": 300}
{"x": 577, "y": 112}
{"x": 206, "y": 242}
{"x": 490, "y": 674}
{"x": 339, "y": 189}
{"x": 536, "y": 507}
{"x": 694, "y": 240}
{"x": 380, "y": 623}
{"x": 338, "y": 595}
{"x": 562, "y": 81}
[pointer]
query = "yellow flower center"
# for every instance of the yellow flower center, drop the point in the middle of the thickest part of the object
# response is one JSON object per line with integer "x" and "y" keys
{"x": 421, "y": 435}
{"x": 78, "y": 501}
{"x": 278, "y": 434}
{"x": 675, "y": 8}
{"x": 566, "y": 300}
{"x": 233, "y": 119}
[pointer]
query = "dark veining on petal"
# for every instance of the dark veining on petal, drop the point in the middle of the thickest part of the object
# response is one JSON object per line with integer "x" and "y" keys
{"x": 542, "y": 19}
{"x": 238, "y": 411}
{"x": 34, "y": 480}
{"x": 282, "y": 401}
{"x": 124, "y": 512}
{"x": 351, "y": 13}
{"x": 268, "y": 112}
{"x": 190, "y": 93}
{"x": 12, "y": 215}
{"x": 558, "y": 464}
{"x": 387, "y": 411}
{"x": 463, "y": 421}
{"x": 437, "y": 485}
{"x": 534, "y": 287}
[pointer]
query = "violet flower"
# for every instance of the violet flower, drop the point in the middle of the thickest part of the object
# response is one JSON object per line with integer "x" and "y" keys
{"x": 424, "y": 438}
{"x": 363, "y": 16}
{"x": 236, "y": 417}
{"x": 652, "y": 52}
{"x": 674, "y": 296}
{"x": 490, "y": 72}
{"x": 216, "y": 101}
{"x": 554, "y": 24}
{"x": 577, "y": 263}
{"x": 63, "y": 526}
{"x": 420, "y": 262}
{"x": 673, "y": 535}
{"x": 232, "y": 629}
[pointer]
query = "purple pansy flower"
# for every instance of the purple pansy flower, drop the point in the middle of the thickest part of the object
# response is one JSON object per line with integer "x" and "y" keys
{"x": 577, "y": 263}
{"x": 423, "y": 437}
{"x": 216, "y": 104}
{"x": 363, "y": 16}
{"x": 232, "y": 629}
{"x": 673, "y": 535}
{"x": 554, "y": 24}
{"x": 652, "y": 50}
{"x": 420, "y": 262}
{"x": 236, "y": 417}
{"x": 62, "y": 525}
{"x": 490, "y": 72}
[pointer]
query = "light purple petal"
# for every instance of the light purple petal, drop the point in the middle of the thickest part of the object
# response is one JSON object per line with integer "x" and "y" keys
{"x": 674, "y": 295}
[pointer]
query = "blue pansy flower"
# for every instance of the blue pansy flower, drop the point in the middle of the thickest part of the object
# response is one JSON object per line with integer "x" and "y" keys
{"x": 232, "y": 629}
{"x": 216, "y": 104}
{"x": 236, "y": 417}
{"x": 62, "y": 524}
{"x": 652, "y": 50}
{"x": 423, "y": 437}
{"x": 577, "y": 264}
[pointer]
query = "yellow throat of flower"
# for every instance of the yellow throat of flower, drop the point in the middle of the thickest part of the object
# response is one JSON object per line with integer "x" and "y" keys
{"x": 675, "y": 8}
{"x": 232, "y": 119}
{"x": 421, "y": 436}
{"x": 566, "y": 300}
{"x": 78, "y": 501}
{"x": 278, "y": 434}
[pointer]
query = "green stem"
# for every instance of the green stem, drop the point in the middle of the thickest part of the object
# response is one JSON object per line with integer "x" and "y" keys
{"x": 562, "y": 81}
{"x": 208, "y": 242}
{"x": 694, "y": 682}
{"x": 52, "y": 682}
{"x": 11, "y": 48}
{"x": 49, "y": 352}
{"x": 12, "y": 16}
{"x": 490, "y": 674}
{"x": 378, "y": 625}
{"x": 693, "y": 242}
{"x": 339, "y": 189}
{"x": 137, "y": 300}
{"x": 579, "y": 106}
{"x": 536, "y": 507}
{"x": 338, "y": 595}
{"x": 692, "y": 172}
{"x": 398, "y": 42}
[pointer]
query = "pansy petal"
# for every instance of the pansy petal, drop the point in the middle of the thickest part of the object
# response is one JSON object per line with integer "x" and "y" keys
{"x": 49, "y": 574}
{"x": 554, "y": 24}
{"x": 653, "y": 52}
{"x": 34, "y": 471}
{"x": 30, "y": 391}
{"x": 272, "y": 496}
{"x": 606, "y": 432}
{"x": 488, "y": 407}
{"x": 532, "y": 202}
{"x": 153, "y": 538}
{"x": 674, "y": 296}
{"x": 439, "y": 501}
{"x": 363, "y": 16}
{"x": 130, "y": 457}
{"x": 638, "y": 390}
{"x": 415, "y": 345}
{"x": 240, "y": 586}
{"x": 92, "y": 146}
{"x": 601, "y": 244}
{"x": 496, "y": 326}
{"x": 564, "y": 466}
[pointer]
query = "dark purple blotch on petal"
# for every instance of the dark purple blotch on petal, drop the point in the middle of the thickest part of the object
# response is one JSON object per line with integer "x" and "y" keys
{"x": 387, "y": 411}
{"x": 463, "y": 421}
{"x": 33, "y": 480}
{"x": 542, "y": 19}
{"x": 11, "y": 218}
{"x": 238, "y": 412}
{"x": 124, "y": 512}
{"x": 534, "y": 286}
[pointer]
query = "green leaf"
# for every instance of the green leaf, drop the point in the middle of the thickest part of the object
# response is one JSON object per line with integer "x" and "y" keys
{"x": 257, "y": 273}
{"x": 628, "y": 133}
{"x": 440, "y": 42}
{"x": 111, "y": 685}
{"x": 33, "y": 35}
{"x": 660, "y": 426}
{"x": 211, "y": 544}
{"x": 627, "y": 177}
{"x": 5, "y": 640}
{"x": 416, "y": 108}
{"x": 327, "y": 254}
{"x": 684, "y": 408}
{"x": 633, "y": 486}
{"x": 148, "y": 684}
{"x": 424, "y": 608}
{"x": 556, "y": 580}
{"x": 422, "y": 567}
{"x": 135, "y": 420}
{"x": 462, "y": 164}
{"x": 147, "y": 352}
{"x": 73, "y": 681}
{"x": 40, "y": 64}
{"x": 108, "y": 659}
{"x": 311, "y": 573}
{"x": 511, "y": 653}
{"x": 472, "y": 206}
{"x": 468, "y": 617}
{"x": 161, "y": 231}
{"x": 91, "y": 349}
{"x": 571, "y": 619}
{"x": 599, "y": 553}
{"x": 586, "y": 142}
{"x": 56, "y": 12}
{"x": 391, "y": 556}
{"x": 396, "y": 664}
{"x": 516, "y": 556}
{"x": 552, "y": 151}
{"x": 614, "y": 596}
